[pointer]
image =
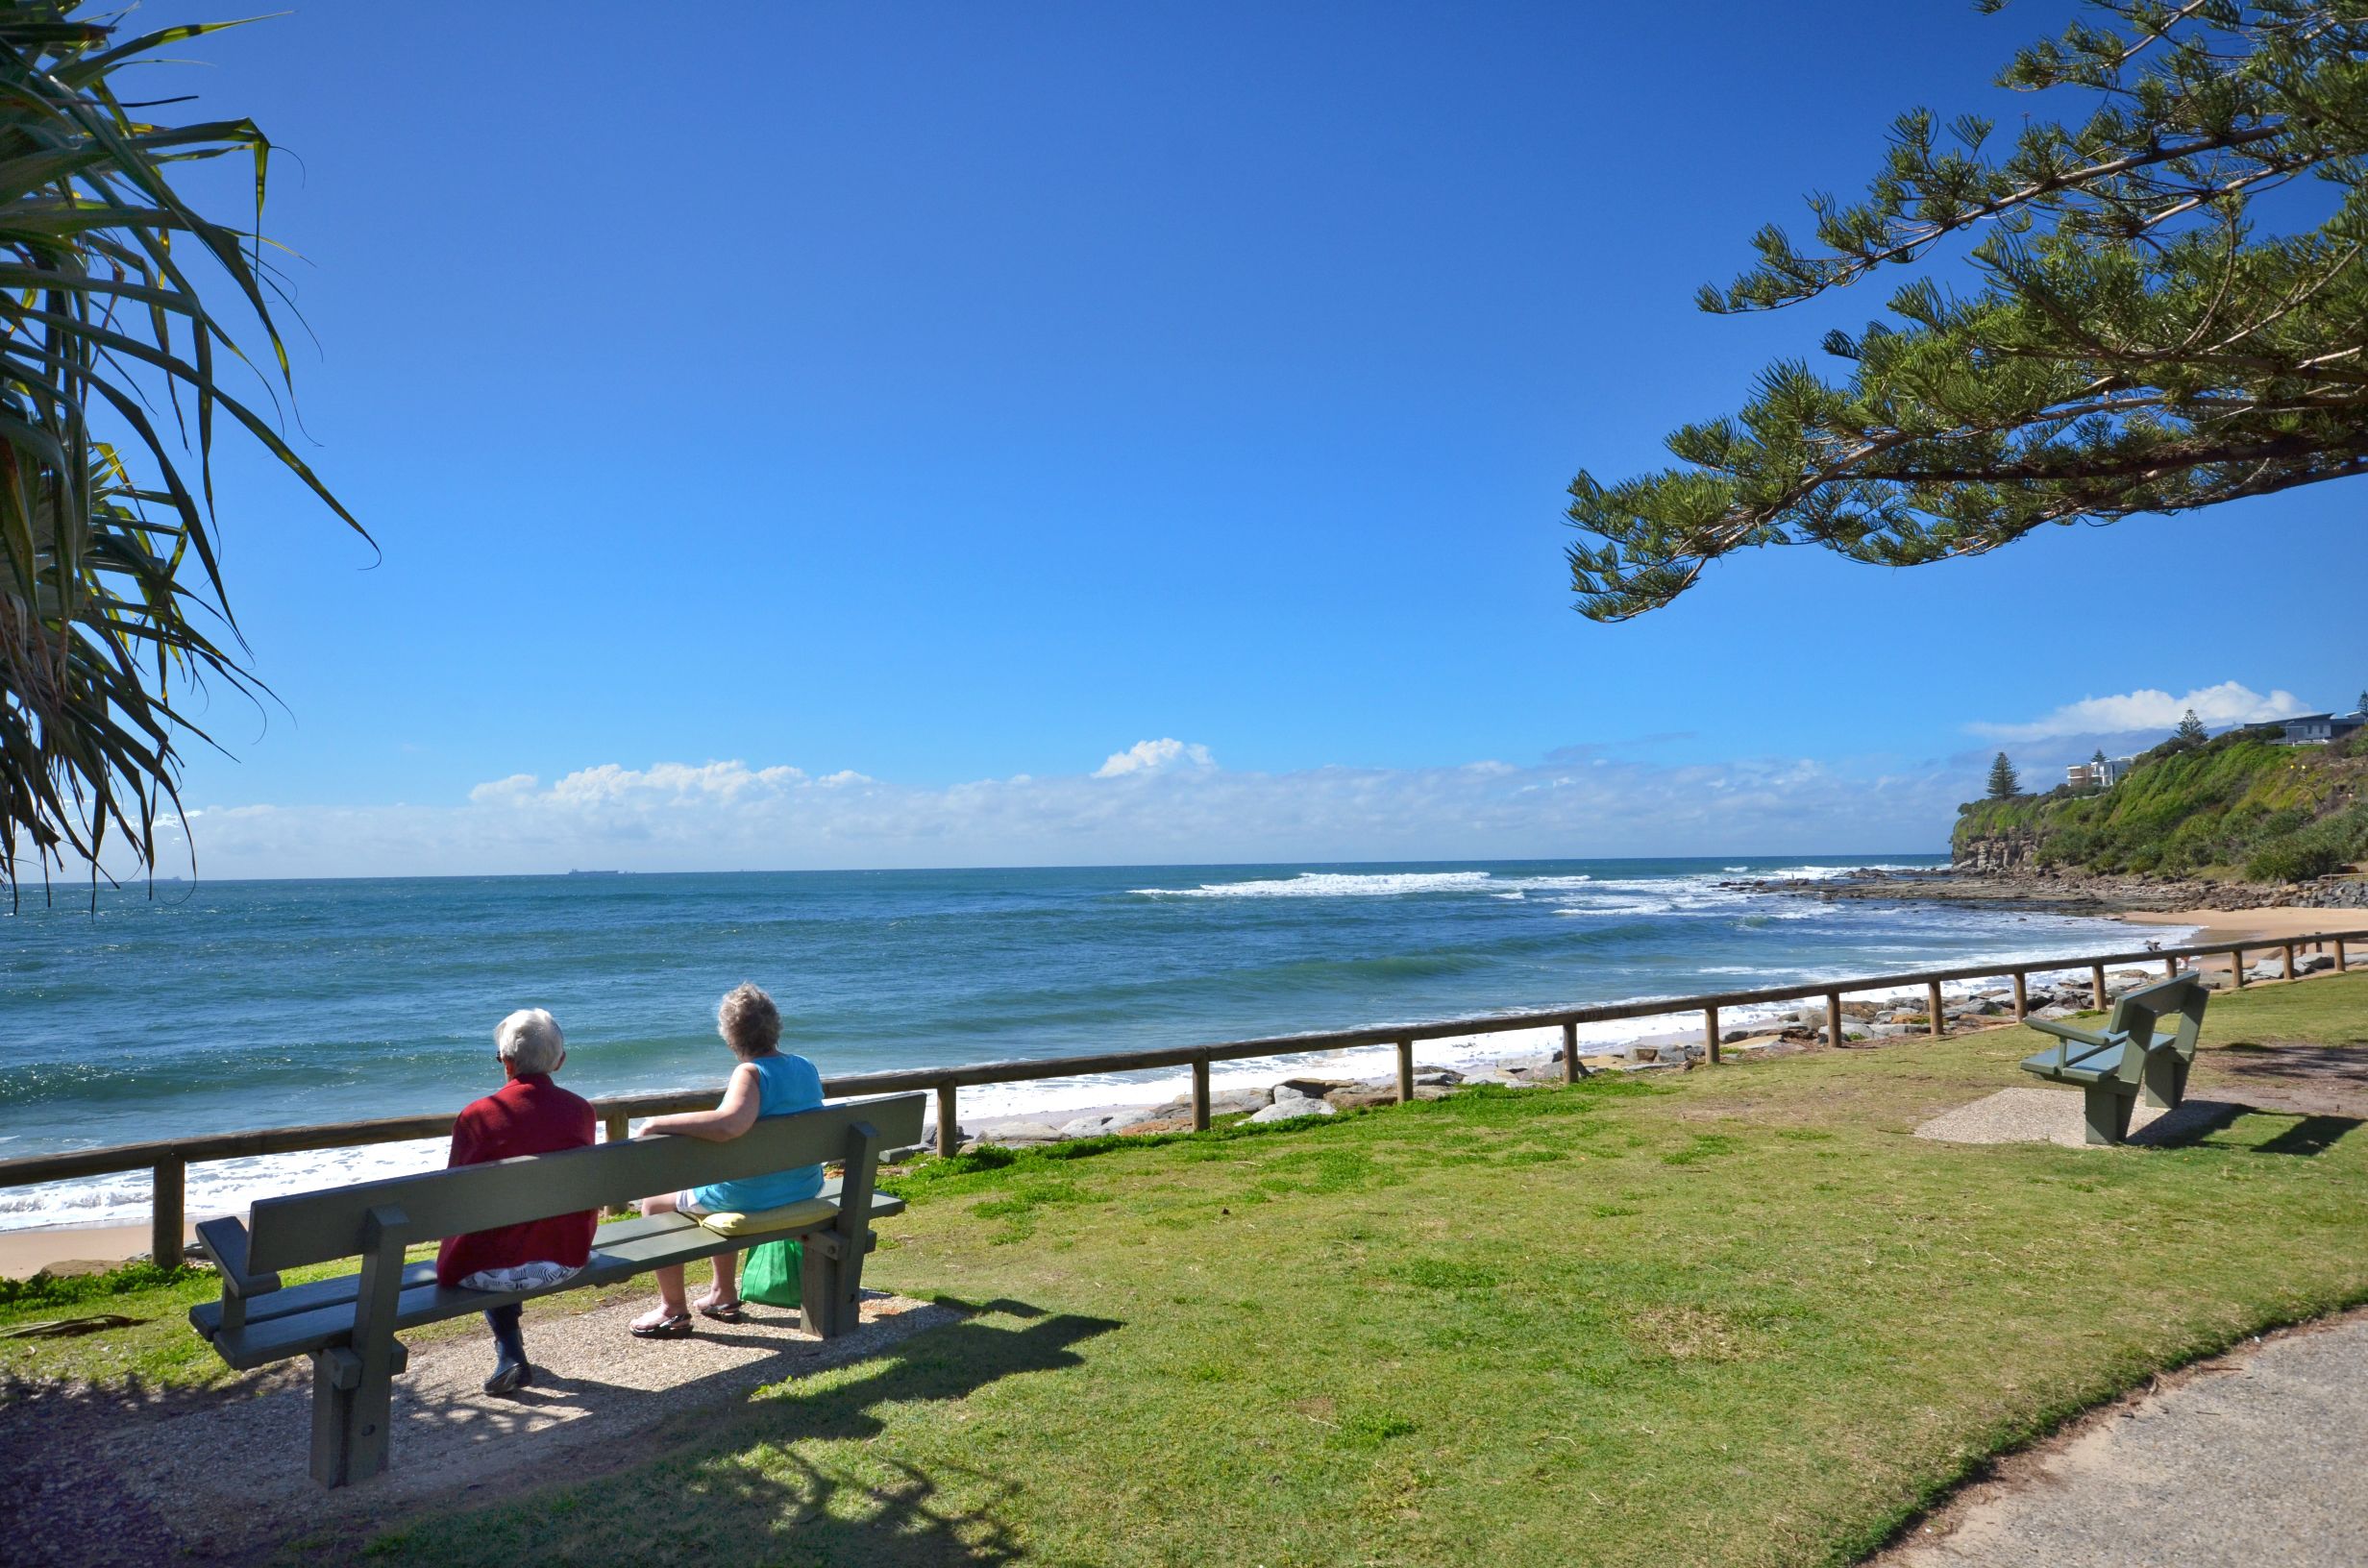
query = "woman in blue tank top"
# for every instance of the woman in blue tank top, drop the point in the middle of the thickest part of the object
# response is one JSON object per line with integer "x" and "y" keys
{"x": 767, "y": 1083}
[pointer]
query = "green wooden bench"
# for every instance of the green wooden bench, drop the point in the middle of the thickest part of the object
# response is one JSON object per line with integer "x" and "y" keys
{"x": 2131, "y": 1058}
{"x": 348, "y": 1324}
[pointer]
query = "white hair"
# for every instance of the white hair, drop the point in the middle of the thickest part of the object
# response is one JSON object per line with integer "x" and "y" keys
{"x": 530, "y": 1039}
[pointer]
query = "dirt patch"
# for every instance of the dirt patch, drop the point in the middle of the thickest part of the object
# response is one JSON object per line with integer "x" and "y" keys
{"x": 2301, "y": 1079}
{"x": 1688, "y": 1333}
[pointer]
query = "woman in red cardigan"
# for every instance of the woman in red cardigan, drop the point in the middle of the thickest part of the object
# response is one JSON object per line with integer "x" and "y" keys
{"x": 528, "y": 1115}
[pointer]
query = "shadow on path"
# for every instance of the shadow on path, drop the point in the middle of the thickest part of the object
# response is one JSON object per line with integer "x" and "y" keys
{"x": 90, "y": 1476}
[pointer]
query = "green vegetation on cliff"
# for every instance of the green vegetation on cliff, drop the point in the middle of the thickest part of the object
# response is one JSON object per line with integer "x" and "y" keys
{"x": 2239, "y": 805}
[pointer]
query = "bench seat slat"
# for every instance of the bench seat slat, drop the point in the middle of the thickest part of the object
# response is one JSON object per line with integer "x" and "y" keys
{"x": 320, "y": 1314}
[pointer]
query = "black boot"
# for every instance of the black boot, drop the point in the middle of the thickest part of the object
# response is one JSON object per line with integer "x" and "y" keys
{"x": 510, "y": 1372}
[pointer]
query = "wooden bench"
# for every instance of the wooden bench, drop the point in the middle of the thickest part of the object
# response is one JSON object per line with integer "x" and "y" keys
{"x": 2130, "y": 1059}
{"x": 348, "y": 1324}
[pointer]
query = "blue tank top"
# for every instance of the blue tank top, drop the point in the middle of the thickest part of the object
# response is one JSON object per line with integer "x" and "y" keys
{"x": 784, "y": 1085}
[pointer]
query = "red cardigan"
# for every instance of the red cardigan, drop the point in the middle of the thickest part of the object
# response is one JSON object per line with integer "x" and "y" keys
{"x": 529, "y": 1115}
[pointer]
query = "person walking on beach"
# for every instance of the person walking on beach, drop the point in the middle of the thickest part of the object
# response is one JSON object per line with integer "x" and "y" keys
{"x": 528, "y": 1115}
{"x": 768, "y": 1082}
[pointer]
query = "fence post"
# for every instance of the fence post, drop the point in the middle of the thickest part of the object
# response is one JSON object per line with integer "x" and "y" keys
{"x": 946, "y": 1128}
{"x": 1709, "y": 1033}
{"x": 2289, "y": 960}
{"x": 164, "y": 1204}
{"x": 1201, "y": 1096}
{"x": 1832, "y": 1019}
{"x": 2339, "y": 955}
{"x": 1405, "y": 1071}
{"x": 1572, "y": 1073}
{"x": 2022, "y": 997}
{"x": 2096, "y": 987}
{"x": 2170, "y": 969}
{"x": 1932, "y": 998}
{"x": 2236, "y": 968}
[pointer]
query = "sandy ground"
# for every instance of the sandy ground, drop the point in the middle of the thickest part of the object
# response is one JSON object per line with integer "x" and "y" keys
{"x": 2271, "y": 925}
{"x": 2257, "y": 1458}
{"x": 65, "y": 1249}
{"x": 222, "y": 1478}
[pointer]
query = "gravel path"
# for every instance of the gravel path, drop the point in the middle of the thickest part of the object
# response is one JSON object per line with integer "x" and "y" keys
{"x": 223, "y": 1479}
{"x": 2257, "y": 1459}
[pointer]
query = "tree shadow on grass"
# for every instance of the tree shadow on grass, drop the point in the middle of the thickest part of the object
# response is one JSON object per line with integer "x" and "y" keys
{"x": 812, "y": 1509}
{"x": 793, "y": 1475}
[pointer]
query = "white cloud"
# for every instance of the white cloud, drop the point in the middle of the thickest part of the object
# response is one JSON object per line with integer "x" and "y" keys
{"x": 2217, "y": 707}
{"x": 1153, "y": 756}
{"x": 1178, "y": 806}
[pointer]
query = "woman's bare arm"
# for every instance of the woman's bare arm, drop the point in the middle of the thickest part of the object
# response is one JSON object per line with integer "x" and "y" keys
{"x": 737, "y": 1115}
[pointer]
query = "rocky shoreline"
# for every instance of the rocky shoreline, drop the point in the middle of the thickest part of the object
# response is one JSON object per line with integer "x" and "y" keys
{"x": 1788, "y": 1029}
{"x": 2066, "y": 893}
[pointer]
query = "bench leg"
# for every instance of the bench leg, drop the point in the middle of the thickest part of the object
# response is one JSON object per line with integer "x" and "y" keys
{"x": 349, "y": 1430}
{"x": 332, "y": 1417}
{"x": 822, "y": 1300}
{"x": 2108, "y": 1113}
{"x": 830, "y": 1285}
{"x": 353, "y": 1388}
{"x": 2160, "y": 1085}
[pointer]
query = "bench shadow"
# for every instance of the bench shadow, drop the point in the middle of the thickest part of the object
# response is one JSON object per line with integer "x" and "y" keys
{"x": 2205, "y": 1122}
{"x": 2308, "y": 1135}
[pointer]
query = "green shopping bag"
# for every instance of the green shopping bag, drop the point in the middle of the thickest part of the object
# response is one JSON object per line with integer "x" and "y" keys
{"x": 770, "y": 1273}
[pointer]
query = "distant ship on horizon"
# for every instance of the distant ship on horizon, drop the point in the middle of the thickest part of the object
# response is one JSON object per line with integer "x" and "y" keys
{"x": 596, "y": 873}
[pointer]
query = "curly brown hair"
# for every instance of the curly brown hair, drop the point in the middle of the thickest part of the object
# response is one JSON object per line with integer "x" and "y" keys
{"x": 748, "y": 1020}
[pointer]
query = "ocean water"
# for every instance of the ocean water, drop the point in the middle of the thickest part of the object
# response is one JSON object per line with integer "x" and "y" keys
{"x": 229, "y": 1005}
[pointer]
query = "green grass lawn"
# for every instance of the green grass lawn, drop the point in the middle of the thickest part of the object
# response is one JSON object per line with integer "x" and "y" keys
{"x": 1733, "y": 1316}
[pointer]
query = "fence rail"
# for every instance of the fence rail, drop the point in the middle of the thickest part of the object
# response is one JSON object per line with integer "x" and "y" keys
{"x": 169, "y": 1159}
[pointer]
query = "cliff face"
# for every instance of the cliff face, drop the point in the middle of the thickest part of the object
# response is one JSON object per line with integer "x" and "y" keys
{"x": 1996, "y": 855}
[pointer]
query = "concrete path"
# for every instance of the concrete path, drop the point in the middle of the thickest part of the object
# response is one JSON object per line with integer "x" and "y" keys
{"x": 211, "y": 1479}
{"x": 2257, "y": 1459}
{"x": 2057, "y": 1115}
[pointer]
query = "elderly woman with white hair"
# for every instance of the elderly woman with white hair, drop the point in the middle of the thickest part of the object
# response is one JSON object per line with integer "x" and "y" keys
{"x": 528, "y": 1115}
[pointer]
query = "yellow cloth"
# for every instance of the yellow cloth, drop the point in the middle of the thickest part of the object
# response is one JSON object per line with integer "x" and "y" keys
{"x": 811, "y": 1214}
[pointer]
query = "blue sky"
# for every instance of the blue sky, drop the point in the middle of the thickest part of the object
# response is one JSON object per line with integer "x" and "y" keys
{"x": 942, "y": 401}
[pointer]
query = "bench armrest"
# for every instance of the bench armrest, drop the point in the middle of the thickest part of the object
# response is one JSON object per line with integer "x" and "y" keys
{"x": 2072, "y": 1037}
{"x": 2064, "y": 1031}
{"x": 224, "y": 1243}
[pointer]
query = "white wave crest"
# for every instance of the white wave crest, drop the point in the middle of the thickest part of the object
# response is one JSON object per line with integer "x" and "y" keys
{"x": 1329, "y": 885}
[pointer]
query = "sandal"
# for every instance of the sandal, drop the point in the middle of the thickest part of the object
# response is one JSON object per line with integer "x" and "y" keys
{"x": 672, "y": 1326}
{"x": 722, "y": 1312}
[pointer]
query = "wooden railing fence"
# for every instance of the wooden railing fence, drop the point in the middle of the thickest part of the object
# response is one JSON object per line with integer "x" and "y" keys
{"x": 168, "y": 1160}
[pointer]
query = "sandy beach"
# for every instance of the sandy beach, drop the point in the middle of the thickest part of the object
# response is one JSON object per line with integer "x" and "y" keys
{"x": 60, "y": 1248}
{"x": 2238, "y": 924}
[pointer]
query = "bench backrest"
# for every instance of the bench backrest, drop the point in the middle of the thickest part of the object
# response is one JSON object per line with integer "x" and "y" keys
{"x": 316, "y": 1227}
{"x": 2138, "y": 1012}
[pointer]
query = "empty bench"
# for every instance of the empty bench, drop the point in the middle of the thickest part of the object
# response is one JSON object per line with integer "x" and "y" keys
{"x": 2131, "y": 1058}
{"x": 347, "y": 1325}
